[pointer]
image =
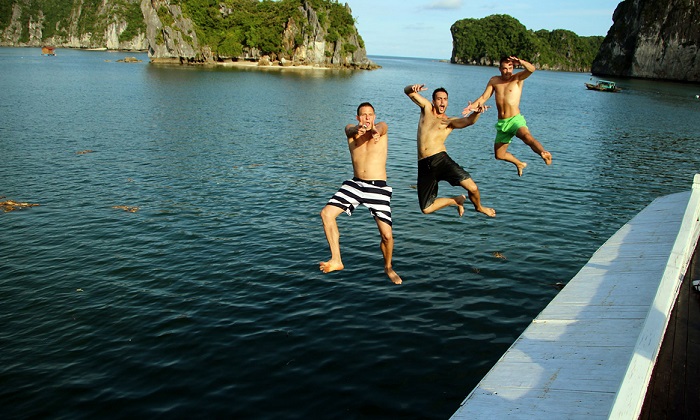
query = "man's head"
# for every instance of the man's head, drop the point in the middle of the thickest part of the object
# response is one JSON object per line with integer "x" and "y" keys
{"x": 440, "y": 100}
{"x": 365, "y": 114}
{"x": 505, "y": 66}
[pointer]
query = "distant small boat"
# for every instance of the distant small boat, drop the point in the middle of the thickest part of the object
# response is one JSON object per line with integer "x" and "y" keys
{"x": 603, "y": 86}
{"x": 50, "y": 51}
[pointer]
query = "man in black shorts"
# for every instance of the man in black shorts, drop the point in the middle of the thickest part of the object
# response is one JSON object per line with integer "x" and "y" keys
{"x": 434, "y": 165}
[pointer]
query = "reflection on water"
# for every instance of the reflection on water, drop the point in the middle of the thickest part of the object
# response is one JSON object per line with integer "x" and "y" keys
{"x": 209, "y": 299}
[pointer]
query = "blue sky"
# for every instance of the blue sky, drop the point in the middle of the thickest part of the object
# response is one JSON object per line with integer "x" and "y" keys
{"x": 421, "y": 28}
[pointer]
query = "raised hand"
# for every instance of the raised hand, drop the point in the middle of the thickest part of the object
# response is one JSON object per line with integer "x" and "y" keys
{"x": 361, "y": 129}
{"x": 473, "y": 107}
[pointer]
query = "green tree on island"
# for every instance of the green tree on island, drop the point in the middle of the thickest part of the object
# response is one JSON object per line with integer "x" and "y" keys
{"x": 228, "y": 26}
{"x": 485, "y": 41}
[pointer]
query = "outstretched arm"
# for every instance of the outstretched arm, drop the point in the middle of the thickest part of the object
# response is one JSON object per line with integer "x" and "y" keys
{"x": 479, "y": 102}
{"x": 381, "y": 128}
{"x": 355, "y": 131}
{"x": 412, "y": 91}
{"x": 470, "y": 119}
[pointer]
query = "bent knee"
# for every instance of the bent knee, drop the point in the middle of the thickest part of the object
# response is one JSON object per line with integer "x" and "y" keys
{"x": 425, "y": 205}
{"x": 469, "y": 185}
{"x": 527, "y": 138}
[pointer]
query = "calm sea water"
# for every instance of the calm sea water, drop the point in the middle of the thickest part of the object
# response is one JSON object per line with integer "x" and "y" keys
{"x": 208, "y": 302}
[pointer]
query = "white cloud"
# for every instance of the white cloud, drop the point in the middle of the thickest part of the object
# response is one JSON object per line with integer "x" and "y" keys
{"x": 446, "y": 5}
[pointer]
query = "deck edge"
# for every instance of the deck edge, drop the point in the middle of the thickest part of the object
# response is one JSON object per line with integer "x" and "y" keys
{"x": 630, "y": 397}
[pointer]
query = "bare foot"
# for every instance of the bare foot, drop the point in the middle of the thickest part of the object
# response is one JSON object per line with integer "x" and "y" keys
{"x": 486, "y": 210}
{"x": 520, "y": 167}
{"x": 460, "y": 204}
{"x": 330, "y": 265}
{"x": 392, "y": 275}
{"x": 547, "y": 157}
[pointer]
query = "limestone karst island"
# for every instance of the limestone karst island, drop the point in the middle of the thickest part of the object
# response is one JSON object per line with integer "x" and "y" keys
{"x": 648, "y": 39}
{"x": 318, "y": 33}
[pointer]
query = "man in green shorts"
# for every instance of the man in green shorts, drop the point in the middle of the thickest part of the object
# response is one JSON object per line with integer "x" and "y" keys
{"x": 508, "y": 88}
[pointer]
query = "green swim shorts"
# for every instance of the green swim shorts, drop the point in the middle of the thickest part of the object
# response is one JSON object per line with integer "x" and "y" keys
{"x": 506, "y": 128}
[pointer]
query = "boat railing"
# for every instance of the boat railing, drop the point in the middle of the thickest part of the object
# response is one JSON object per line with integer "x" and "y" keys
{"x": 630, "y": 397}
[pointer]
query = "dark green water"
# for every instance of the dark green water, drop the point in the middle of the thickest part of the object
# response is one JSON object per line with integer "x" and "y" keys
{"x": 208, "y": 302}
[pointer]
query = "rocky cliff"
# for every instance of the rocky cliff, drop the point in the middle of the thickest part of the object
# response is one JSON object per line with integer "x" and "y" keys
{"x": 168, "y": 31}
{"x": 305, "y": 40}
{"x": 116, "y": 25}
{"x": 652, "y": 39}
{"x": 174, "y": 40}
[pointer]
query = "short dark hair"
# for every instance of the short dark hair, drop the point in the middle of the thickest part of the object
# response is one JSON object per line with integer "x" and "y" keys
{"x": 440, "y": 89}
{"x": 503, "y": 60}
{"x": 363, "y": 104}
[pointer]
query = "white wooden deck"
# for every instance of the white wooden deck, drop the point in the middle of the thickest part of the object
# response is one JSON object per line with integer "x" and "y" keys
{"x": 590, "y": 353}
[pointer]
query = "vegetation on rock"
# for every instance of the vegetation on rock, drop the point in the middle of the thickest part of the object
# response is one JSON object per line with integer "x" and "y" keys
{"x": 58, "y": 20}
{"x": 485, "y": 41}
{"x": 312, "y": 31}
{"x": 229, "y": 27}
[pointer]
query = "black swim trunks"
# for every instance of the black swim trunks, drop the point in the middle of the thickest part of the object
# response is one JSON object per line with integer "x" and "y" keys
{"x": 433, "y": 169}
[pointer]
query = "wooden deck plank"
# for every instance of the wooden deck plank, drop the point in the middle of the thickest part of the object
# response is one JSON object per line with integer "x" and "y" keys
{"x": 625, "y": 293}
{"x": 582, "y": 311}
{"x": 512, "y": 405}
{"x": 529, "y": 351}
{"x": 586, "y": 377}
{"x": 597, "y": 335}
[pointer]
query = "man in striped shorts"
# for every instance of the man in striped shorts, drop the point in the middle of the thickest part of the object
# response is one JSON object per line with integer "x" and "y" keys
{"x": 368, "y": 144}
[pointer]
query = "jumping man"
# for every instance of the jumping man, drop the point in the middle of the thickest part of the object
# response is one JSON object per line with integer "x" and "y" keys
{"x": 434, "y": 164}
{"x": 368, "y": 144}
{"x": 508, "y": 88}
